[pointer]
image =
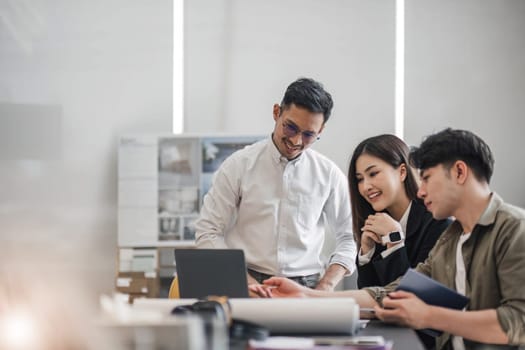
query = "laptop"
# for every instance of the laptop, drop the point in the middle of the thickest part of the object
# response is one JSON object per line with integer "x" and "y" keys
{"x": 204, "y": 272}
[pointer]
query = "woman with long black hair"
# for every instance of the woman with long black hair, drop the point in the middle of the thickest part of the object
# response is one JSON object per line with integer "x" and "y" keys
{"x": 392, "y": 227}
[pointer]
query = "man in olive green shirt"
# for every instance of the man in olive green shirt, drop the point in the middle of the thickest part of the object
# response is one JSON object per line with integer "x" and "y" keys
{"x": 481, "y": 255}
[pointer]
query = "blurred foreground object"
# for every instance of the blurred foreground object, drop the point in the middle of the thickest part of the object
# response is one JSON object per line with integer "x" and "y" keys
{"x": 40, "y": 312}
{"x": 54, "y": 309}
{"x": 152, "y": 329}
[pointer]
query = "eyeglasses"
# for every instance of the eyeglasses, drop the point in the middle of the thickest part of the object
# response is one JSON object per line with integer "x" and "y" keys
{"x": 291, "y": 130}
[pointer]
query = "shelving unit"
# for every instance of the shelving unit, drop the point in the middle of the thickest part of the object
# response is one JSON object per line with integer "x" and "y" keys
{"x": 162, "y": 181}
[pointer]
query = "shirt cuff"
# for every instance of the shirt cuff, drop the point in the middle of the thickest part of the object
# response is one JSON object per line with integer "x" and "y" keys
{"x": 364, "y": 259}
{"x": 211, "y": 241}
{"x": 389, "y": 251}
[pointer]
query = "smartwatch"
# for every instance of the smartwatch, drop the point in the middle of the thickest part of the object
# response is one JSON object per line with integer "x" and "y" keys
{"x": 393, "y": 237}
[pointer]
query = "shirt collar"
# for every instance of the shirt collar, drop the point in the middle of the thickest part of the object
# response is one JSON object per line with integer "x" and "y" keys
{"x": 278, "y": 158}
{"x": 487, "y": 218}
{"x": 489, "y": 215}
{"x": 404, "y": 219}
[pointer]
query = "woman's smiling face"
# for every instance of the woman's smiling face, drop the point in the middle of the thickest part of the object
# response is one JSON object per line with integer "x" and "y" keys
{"x": 378, "y": 182}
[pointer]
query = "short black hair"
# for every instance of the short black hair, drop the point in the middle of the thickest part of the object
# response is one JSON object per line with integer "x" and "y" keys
{"x": 450, "y": 145}
{"x": 310, "y": 94}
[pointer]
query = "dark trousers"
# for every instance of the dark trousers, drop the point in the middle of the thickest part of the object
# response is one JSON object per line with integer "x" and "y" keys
{"x": 309, "y": 281}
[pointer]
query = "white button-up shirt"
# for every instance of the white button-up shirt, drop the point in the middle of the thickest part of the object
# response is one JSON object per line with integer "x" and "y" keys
{"x": 276, "y": 211}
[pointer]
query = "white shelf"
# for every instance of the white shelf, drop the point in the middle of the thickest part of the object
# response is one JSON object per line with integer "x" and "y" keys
{"x": 162, "y": 180}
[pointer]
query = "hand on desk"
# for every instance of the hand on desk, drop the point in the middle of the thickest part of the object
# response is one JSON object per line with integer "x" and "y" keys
{"x": 404, "y": 308}
{"x": 254, "y": 288}
{"x": 278, "y": 287}
{"x": 257, "y": 290}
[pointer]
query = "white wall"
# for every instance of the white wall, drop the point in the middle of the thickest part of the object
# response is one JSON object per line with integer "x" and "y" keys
{"x": 465, "y": 68}
{"x": 241, "y": 55}
{"x": 74, "y": 76}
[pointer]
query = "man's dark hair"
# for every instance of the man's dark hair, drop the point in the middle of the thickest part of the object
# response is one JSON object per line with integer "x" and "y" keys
{"x": 309, "y": 94}
{"x": 449, "y": 146}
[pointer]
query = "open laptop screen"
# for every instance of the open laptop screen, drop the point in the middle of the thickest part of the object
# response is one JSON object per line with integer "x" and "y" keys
{"x": 204, "y": 272}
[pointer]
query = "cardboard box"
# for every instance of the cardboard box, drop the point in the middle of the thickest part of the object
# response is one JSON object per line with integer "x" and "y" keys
{"x": 132, "y": 282}
{"x": 137, "y": 283}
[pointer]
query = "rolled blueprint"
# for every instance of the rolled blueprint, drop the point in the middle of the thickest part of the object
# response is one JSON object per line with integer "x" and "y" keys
{"x": 283, "y": 315}
{"x": 300, "y": 315}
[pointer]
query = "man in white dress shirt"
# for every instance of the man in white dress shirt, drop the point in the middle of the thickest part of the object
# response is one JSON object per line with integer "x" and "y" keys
{"x": 274, "y": 198}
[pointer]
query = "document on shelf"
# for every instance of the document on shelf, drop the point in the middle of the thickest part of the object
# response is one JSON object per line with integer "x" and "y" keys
{"x": 431, "y": 292}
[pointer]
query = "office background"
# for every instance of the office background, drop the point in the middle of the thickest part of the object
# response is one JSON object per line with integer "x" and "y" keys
{"x": 77, "y": 75}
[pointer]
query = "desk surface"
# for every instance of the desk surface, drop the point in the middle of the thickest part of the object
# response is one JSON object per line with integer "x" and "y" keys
{"x": 403, "y": 338}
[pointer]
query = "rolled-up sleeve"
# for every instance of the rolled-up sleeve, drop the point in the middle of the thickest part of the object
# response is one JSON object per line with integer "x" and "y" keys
{"x": 378, "y": 293}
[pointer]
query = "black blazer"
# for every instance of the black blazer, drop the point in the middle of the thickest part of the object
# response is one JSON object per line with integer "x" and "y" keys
{"x": 422, "y": 233}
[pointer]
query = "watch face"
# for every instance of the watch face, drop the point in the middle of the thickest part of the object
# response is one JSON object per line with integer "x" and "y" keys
{"x": 395, "y": 236}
